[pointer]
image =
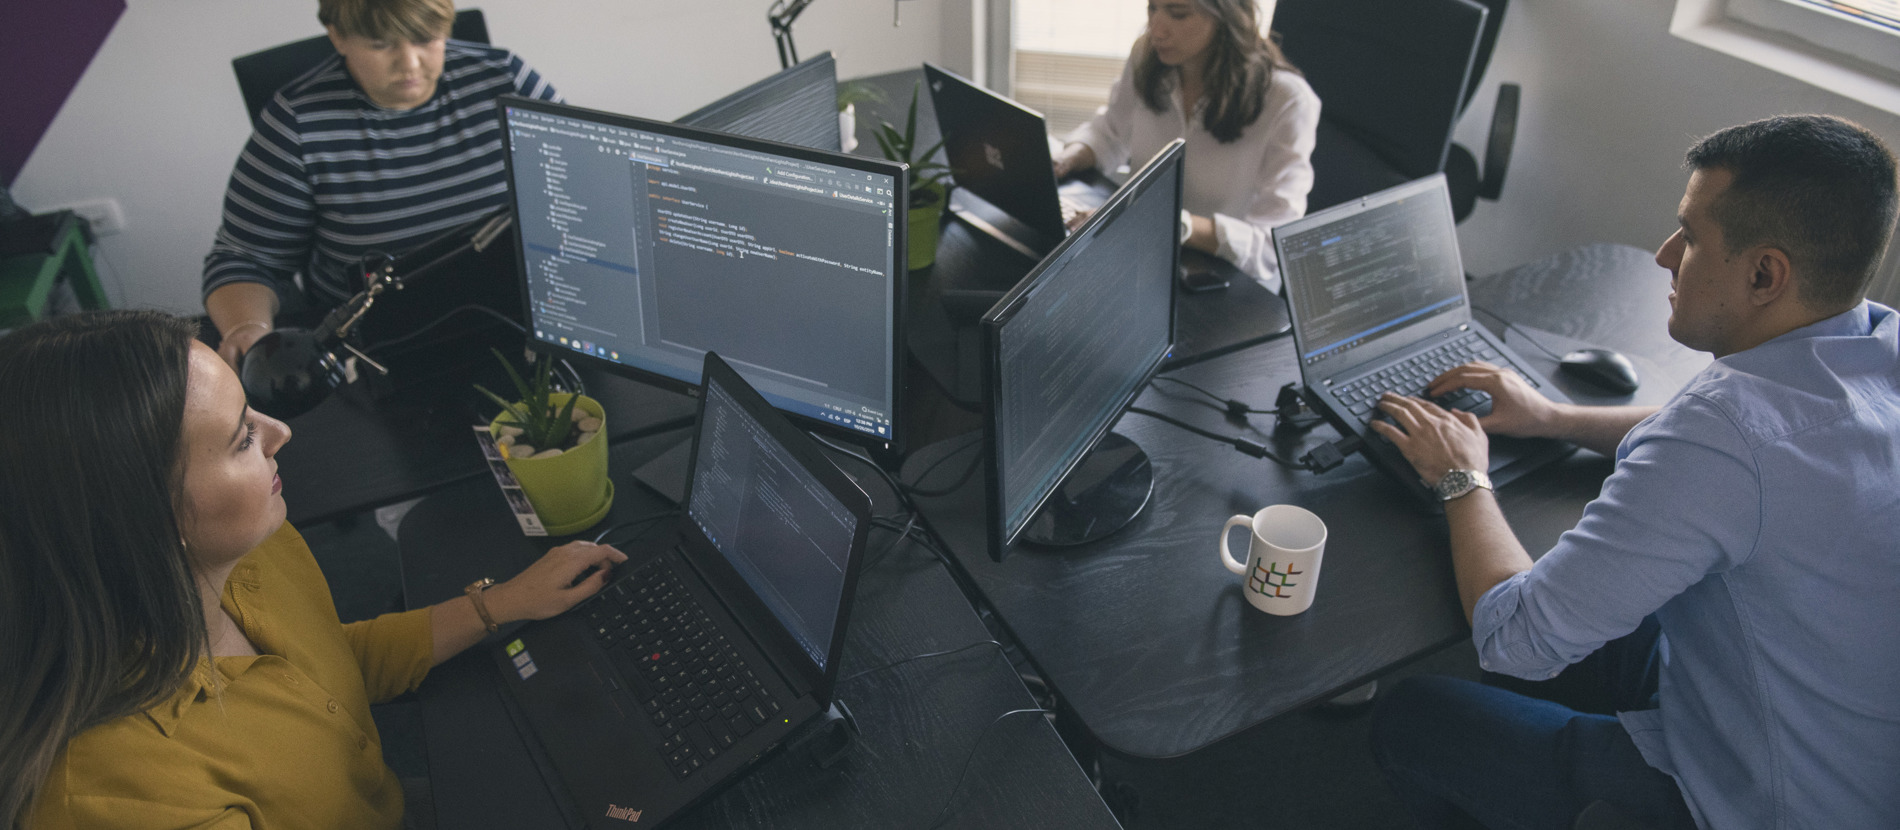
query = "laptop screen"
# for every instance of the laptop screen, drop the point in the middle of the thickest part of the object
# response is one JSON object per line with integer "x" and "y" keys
{"x": 1383, "y": 265}
{"x": 772, "y": 520}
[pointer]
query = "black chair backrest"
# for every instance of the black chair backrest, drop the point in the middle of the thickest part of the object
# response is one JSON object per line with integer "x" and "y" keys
{"x": 261, "y": 74}
{"x": 1487, "y": 43}
{"x": 1392, "y": 73}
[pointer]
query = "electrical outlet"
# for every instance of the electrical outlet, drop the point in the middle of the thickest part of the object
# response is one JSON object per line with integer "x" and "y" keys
{"x": 104, "y": 215}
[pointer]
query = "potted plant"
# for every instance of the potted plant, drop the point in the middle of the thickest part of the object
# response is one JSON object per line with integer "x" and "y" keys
{"x": 928, "y": 193}
{"x": 552, "y": 444}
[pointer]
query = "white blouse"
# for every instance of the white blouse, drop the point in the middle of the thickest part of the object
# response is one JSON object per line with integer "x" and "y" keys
{"x": 1248, "y": 186}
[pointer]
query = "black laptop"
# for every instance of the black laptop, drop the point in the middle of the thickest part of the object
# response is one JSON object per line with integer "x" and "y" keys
{"x": 714, "y": 644}
{"x": 1377, "y": 291}
{"x": 998, "y": 150}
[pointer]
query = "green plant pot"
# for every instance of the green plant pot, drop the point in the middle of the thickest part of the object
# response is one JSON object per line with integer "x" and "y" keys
{"x": 924, "y": 228}
{"x": 570, "y": 492}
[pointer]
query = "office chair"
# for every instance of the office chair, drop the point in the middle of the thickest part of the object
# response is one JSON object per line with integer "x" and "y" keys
{"x": 260, "y": 74}
{"x": 1393, "y": 76}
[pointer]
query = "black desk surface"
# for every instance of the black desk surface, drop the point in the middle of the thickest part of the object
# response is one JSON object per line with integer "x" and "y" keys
{"x": 920, "y": 720}
{"x": 355, "y": 453}
{"x": 944, "y": 342}
{"x": 1147, "y": 636}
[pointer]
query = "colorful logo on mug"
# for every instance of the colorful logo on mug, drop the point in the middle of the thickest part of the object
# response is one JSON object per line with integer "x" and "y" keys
{"x": 1267, "y": 575}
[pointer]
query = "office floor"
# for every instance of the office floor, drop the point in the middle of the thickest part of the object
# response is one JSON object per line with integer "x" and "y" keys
{"x": 1311, "y": 769}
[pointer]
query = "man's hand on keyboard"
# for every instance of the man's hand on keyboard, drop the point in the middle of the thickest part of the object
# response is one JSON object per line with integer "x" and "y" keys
{"x": 1516, "y": 408}
{"x": 548, "y": 586}
{"x": 1435, "y": 439}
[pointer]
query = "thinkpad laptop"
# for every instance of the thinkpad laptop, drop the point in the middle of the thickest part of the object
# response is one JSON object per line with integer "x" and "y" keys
{"x": 1377, "y": 291}
{"x": 711, "y": 647}
{"x": 999, "y": 151}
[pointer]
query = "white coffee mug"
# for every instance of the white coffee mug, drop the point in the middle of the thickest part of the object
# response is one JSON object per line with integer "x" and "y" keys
{"x": 1281, "y": 573}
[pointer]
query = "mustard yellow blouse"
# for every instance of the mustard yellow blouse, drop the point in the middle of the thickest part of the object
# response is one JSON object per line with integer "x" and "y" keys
{"x": 282, "y": 740}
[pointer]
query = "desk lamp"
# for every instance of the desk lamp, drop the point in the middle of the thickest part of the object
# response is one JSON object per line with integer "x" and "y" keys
{"x": 290, "y": 371}
{"x": 781, "y": 16}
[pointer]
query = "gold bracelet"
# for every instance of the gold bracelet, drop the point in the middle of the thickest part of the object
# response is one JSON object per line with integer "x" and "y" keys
{"x": 474, "y": 592}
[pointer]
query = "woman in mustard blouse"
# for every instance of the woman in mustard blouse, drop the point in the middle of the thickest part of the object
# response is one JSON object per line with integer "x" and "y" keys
{"x": 169, "y": 653}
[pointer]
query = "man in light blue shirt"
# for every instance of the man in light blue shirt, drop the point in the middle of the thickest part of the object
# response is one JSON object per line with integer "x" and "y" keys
{"x": 1743, "y": 561}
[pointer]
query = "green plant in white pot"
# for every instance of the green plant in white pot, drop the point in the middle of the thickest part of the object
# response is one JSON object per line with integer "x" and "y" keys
{"x": 553, "y": 445}
{"x": 928, "y": 193}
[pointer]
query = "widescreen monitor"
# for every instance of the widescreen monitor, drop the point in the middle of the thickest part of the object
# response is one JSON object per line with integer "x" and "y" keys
{"x": 798, "y": 106}
{"x": 1068, "y": 349}
{"x": 643, "y": 245}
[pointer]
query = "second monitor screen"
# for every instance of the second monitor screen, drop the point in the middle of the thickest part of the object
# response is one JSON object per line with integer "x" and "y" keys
{"x": 648, "y": 249}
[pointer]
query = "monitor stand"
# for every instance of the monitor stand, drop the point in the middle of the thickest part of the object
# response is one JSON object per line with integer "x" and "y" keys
{"x": 1101, "y": 495}
{"x": 992, "y": 222}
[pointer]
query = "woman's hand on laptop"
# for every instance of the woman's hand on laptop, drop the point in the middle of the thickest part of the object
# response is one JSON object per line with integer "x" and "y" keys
{"x": 1074, "y": 158}
{"x": 1435, "y": 439}
{"x": 548, "y": 586}
{"x": 1516, "y": 408}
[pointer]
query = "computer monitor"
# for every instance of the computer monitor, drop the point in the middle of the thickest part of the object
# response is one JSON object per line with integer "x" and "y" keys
{"x": 1068, "y": 349}
{"x": 643, "y": 245}
{"x": 798, "y": 106}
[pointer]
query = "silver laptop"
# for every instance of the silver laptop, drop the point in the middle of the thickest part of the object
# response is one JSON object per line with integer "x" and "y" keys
{"x": 1377, "y": 291}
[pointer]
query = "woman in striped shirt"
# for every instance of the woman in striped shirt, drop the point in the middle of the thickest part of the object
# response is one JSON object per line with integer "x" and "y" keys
{"x": 387, "y": 144}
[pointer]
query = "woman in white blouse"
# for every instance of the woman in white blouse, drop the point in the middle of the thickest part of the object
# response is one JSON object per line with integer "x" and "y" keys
{"x": 1204, "y": 72}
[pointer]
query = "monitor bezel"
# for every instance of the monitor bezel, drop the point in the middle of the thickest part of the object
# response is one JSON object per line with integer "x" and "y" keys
{"x": 899, "y": 258}
{"x": 999, "y": 535}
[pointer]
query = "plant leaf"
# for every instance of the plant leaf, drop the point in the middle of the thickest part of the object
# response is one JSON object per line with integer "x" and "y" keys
{"x": 520, "y": 385}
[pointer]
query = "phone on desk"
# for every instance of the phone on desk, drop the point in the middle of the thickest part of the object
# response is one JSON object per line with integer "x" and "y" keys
{"x": 1197, "y": 280}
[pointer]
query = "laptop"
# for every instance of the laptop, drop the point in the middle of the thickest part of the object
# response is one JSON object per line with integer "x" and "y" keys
{"x": 999, "y": 151}
{"x": 1377, "y": 292}
{"x": 710, "y": 646}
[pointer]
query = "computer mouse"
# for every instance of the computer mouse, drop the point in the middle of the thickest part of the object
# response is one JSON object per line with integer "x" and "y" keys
{"x": 1602, "y": 368}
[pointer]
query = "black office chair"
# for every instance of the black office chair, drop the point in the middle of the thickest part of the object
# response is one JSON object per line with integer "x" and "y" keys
{"x": 1393, "y": 76}
{"x": 261, "y": 74}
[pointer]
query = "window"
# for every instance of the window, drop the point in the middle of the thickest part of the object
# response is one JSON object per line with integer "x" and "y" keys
{"x": 1850, "y": 47}
{"x": 1070, "y": 52}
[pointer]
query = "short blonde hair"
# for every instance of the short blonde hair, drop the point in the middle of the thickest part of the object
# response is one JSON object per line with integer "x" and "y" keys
{"x": 417, "y": 21}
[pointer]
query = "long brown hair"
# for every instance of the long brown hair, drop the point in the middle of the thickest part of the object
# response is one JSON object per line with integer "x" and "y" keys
{"x": 1240, "y": 67}
{"x": 99, "y": 614}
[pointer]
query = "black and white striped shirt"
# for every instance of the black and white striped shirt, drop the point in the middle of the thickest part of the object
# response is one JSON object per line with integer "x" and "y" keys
{"x": 331, "y": 176}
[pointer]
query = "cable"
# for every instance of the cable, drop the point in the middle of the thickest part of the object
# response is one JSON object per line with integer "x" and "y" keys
{"x": 871, "y": 562}
{"x": 896, "y": 488}
{"x": 377, "y": 347}
{"x": 944, "y": 814}
{"x": 1235, "y": 409}
{"x": 1317, "y": 460}
{"x": 975, "y": 461}
{"x": 915, "y": 657}
{"x": 1514, "y": 327}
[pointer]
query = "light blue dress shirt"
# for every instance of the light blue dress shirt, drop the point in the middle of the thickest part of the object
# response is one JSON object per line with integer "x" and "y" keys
{"x": 1757, "y": 515}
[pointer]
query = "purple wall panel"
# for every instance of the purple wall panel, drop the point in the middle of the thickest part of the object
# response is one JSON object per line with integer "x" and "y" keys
{"x": 45, "y": 46}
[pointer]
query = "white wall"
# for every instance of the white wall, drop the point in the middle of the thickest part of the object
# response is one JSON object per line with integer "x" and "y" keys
{"x": 157, "y": 121}
{"x": 1611, "y": 103}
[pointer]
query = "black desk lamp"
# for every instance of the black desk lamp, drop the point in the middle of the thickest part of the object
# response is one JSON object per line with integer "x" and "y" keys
{"x": 289, "y": 371}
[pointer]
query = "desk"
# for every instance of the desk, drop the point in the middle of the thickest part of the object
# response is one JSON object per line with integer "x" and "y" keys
{"x": 920, "y": 720}
{"x": 353, "y": 453}
{"x": 1145, "y": 635}
{"x": 945, "y": 343}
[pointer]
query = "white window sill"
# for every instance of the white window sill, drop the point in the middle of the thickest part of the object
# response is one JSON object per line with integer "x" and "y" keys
{"x": 1704, "y": 22}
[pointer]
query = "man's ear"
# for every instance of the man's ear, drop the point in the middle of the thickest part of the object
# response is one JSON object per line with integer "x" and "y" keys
{"x": 1772, "y": 276}
{"x": 336, "y": 39}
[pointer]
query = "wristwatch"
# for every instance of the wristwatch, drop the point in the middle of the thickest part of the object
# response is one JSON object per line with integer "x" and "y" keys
{"x": 1457, "y": 483}
{"x": 474, "y": 592}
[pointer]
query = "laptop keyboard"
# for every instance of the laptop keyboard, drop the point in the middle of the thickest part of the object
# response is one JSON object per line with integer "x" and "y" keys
{"x": 683, "y": 670}
{"x": 1412, "y": 376}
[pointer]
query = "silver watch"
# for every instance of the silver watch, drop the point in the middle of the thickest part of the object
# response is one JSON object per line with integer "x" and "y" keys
{"x": 1457, "y": 483}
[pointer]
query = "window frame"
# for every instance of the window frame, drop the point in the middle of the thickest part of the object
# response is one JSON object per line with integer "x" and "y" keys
{"x": 1831, "y": 50}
